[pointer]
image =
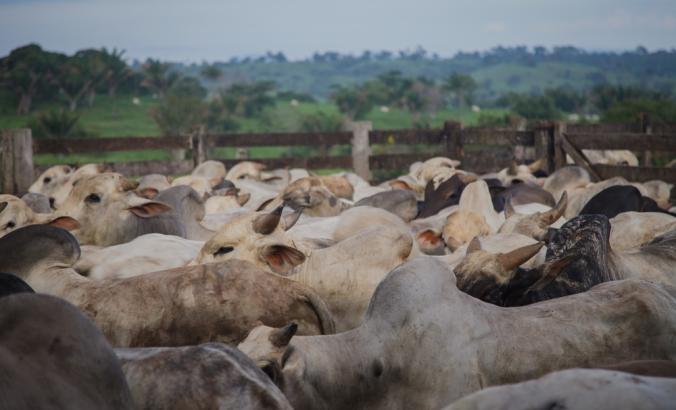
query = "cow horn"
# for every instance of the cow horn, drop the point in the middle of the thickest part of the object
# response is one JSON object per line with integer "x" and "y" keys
{"x": 555, "y": 213}
{"x": 509, "y": 209}
{"x": 291, "y": 219}
{"x": 513, "y": 259}
{"x": 281, "y": 337}
{"x": 267, "y": 223}
{"x": 128, "y": 185}
{"x": 474, "y": 246}
{"x": 513, "y": 168}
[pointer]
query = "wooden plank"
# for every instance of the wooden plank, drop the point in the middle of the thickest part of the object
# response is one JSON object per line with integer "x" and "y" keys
{"x": 406, "y": 136}
{"x": 628, "y": 141}
{"x": 579, "y": 158}
{"x": 663, "y": 128}
{"x": 494, "y": 136}
{"x": 398, "y": 161}
{"x": 81, "y": 145}
{"x": 278, "y": 139}
{"x": 139, "y": 168}
{"x": 604, "y": 128}
{"x": 486, "y": 160}
{"x": 344, "y": 162}
{"x": 636, "y": 174}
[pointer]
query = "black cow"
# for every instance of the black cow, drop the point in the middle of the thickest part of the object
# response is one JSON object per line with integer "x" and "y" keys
{"x": 617, "y": 199}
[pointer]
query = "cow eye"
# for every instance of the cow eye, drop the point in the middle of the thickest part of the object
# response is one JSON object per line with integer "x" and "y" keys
{"x": 93, "y": 198}
{"x": 223, "y": 250}
{"x": 10, "y": 225}
{"x": 47, "y": 180}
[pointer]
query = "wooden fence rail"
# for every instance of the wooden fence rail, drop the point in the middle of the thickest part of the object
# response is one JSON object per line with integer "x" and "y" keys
{"x": 479, "y": 149}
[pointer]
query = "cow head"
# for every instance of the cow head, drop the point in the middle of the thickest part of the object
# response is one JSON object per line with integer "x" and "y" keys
{"x": 15, "y": 213}
{"x": 534, "y": 225}
{"x": 311, "y": 194}
{"x": 259, "y": 238}
{"x": 482, "y": 274}
{"x": 61, "y": 191}
{"x": 108, "y": 208}
{"x": 49, "y": 180}
{"x": 463, "y": 225}
{"x": 266, "y": 347}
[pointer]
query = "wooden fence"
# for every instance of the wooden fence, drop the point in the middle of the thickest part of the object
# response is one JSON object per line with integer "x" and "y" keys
{"x": 480, "y": 149}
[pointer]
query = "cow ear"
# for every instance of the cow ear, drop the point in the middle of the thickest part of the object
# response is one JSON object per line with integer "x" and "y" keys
{"x": 399, "y": 184}
{"x": 149, "y": 209}
{"x": 65, "y": 222}
{"x": 148, "y": 192}
{"x": 429, "y": 238}
{"x": 281, "y": 258}
{"x": 474, "y": 245}
{"x": 243, "y": 198}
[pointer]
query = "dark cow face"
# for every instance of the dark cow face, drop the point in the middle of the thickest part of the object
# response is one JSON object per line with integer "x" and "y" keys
{"x": 582, "y": 245}
{"x": 447, "y": 194}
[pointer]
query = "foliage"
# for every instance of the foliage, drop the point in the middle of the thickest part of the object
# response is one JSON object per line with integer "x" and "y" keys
{"x": 26, "y": 72}
{"x": 462, "y": 87}
{"x": 211, "y": 72}
{"x": 188, "y": 87}
{"x": 57, "y": 123}
{"x": 158, "y": 77}
{"x": 247, "y": 99}
{"x": 534, "y": 107}
{"x": 179, "y": 115}
{"x": 606, "y": 96}
{"x": 292, "y": 95}
{"x": 492, "y": 120}
{"x": 320, "y": 121}
{"x": 220, "y": 119}
{"x": 658, "y": 111}
{"x": 354, "y": 102}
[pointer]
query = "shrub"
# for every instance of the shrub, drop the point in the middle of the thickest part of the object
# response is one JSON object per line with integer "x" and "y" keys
{"x": 57, "y": 123}
{"x": 179, "y": 115}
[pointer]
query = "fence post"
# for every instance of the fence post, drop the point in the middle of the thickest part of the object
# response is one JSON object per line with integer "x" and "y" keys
{"x": 453, "y": 136}
{"x": 16, "y": 160}
{"x": 559, "y": 153}
{"x": 544, "y": 144}
{"x": 199, "y": 147}
{"x": 361, "y": 148}
{"x": 646, "y": 129}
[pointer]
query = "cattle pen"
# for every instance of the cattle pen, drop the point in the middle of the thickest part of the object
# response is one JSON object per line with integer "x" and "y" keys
{"x": 367, "y": 151}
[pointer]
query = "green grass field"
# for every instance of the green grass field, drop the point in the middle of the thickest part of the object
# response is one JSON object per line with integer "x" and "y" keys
{"x": 116, "y": 117}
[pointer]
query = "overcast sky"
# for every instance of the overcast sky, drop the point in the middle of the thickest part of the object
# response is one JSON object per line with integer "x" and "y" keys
{"x": 219, "y": 29}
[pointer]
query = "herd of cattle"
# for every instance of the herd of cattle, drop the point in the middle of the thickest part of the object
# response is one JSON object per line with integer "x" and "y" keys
{"x": 279, "y": 289}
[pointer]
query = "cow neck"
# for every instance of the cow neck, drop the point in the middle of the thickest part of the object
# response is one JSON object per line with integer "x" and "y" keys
{"x": 342, "y": 366}
{"x": 61, "y": 281}
{"x": 573, "y": 331}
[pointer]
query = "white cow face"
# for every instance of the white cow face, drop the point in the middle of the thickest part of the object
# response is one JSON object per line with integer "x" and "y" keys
{"x": 106, "y": 205}
{"x": 15, "y": 213}
{"x": 259, "y": 238}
